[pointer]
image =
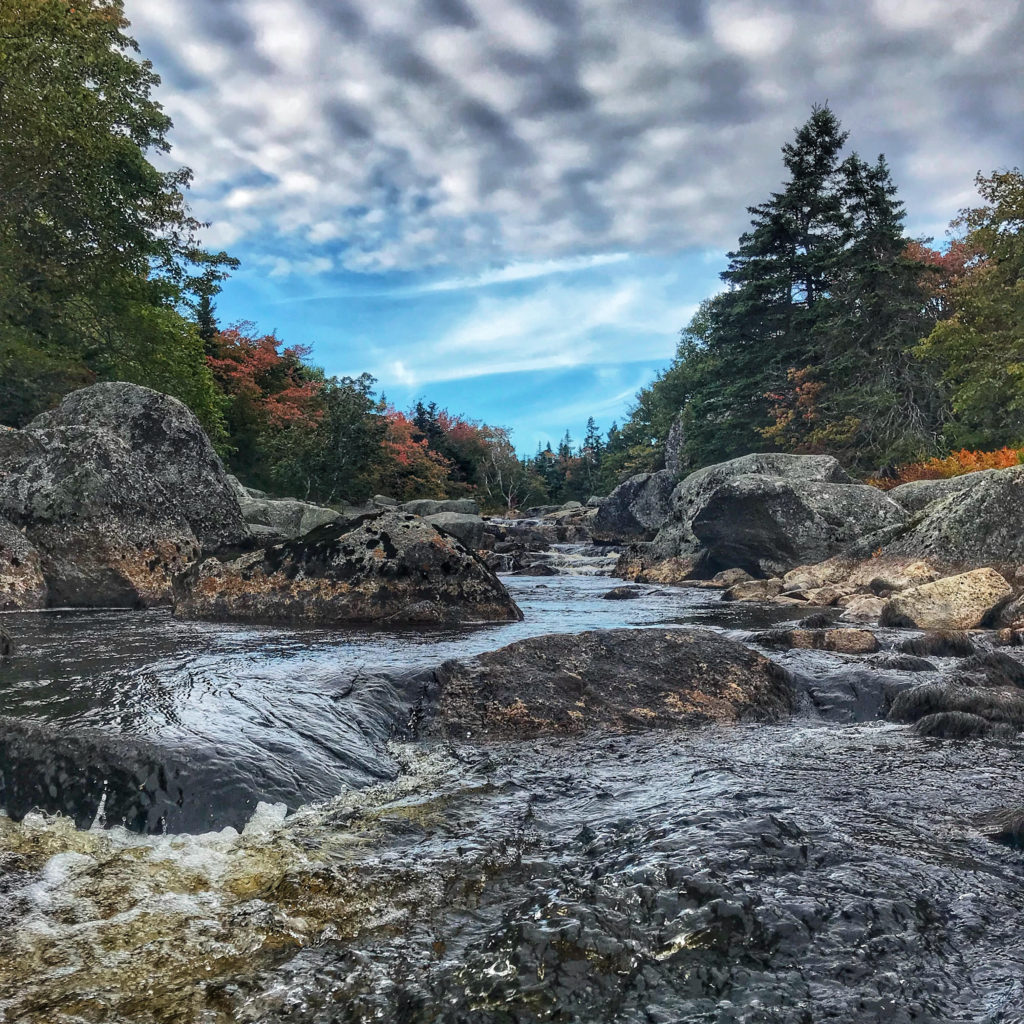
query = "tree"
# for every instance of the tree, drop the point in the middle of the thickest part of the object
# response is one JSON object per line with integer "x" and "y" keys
{"x": 92, "y": 234}
{"x": 979, "y": 350}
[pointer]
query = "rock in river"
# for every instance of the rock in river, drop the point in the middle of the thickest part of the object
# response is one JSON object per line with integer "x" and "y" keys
{"x": 956, "y": 602}
{"x": 21, "y": 574}
{"x": 619, "y": 679}
{"x": 388, "y": 566}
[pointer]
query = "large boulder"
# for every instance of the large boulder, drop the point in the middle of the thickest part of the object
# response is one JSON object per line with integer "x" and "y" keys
{"x": 764, "y": 513}
{"x": 620, "y": 679}
{"x": 918, "y": 494}
{"x": 635, "y": 510}
{"x": 385, "y": 567}
{"x": 956, "y": 602}
{"x": 287, "y": 518}
{"x": 173, "y": 448}
{"x": 21, "y": 574}
{"x": 106, "y": 531}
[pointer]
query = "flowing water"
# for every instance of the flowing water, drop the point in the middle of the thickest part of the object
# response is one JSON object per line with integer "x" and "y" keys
{"x": 289, "y": 858}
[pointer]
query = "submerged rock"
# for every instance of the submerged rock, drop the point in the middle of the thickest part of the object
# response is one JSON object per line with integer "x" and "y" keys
{"x": 842, "y": 641}
{"x": 388, "y": 567}
{"x": 998, "y": 705}
{"x": 621, "y": 679}
{"x": 165, "y": 436}
{"x": 956, "y": 602}
{"x": 623, "y": 594}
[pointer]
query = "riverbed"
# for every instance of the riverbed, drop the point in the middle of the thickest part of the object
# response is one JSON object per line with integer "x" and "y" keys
{"x": 291, "y": 858}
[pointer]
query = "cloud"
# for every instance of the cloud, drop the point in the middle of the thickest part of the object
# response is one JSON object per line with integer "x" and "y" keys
{"x": 439, "y": 133}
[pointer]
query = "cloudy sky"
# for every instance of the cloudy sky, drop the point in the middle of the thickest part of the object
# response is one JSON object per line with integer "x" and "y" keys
{"x": 512, "y": 206}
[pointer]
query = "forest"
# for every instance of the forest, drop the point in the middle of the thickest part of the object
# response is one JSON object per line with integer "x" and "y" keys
{"x": 834, "y": 330}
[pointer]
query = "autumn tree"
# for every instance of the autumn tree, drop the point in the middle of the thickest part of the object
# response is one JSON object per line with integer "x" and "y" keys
{"x": 979, "y": 350}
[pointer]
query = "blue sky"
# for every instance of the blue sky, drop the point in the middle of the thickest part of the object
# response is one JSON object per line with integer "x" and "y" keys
{"x": 512, "y": 206}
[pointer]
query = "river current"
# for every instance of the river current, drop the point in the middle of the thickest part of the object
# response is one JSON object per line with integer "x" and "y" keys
{"x": 288, "y": 857}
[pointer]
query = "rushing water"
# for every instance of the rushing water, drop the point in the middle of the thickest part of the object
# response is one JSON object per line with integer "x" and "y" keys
{"x": 803, "y": 872}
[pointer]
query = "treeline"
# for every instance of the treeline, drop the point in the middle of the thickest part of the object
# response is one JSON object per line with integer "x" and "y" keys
{"x": 103, "y": 277}
{"x": 835, "y": 332}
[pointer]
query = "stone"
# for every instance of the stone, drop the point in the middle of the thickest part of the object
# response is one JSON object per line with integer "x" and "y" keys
{"x": 22, "y": 585}
{"x": 389, "y": 567}
{"x": 957, "y": 602}
{"x": 635, "y": 510}
{"x": 620, "y": 679}
{"x": 676, "y": 460}
{"x": 842, "y": 641}
{"x": 288, "y": 517}
{"x": 173, "y": 448}
{"x": 467, "y": 528}
{"x": 754, "y": 590}
{"x": 994, "y": 704}
{"x": 768, "y": 513}
{"x": 946, "y": 644}
{"x": 107, "y": 532}
{"x": 918, "y": 494}
{"x": 432, "y": 507}
{"x": 863, "y": 609}
{"x": 623, "y": 594}
{"x": 383, "y": 499}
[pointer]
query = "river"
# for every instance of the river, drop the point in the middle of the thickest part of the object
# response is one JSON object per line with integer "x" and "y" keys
{"x": 290, "y": 858}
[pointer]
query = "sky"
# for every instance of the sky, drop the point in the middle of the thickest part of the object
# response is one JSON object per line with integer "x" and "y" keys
{"x": 511, "y": 207}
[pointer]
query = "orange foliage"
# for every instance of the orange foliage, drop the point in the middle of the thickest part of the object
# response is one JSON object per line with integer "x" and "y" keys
{"x": 412, "y": 469}
{"x": 954, "y": 464}
{"x": 270, "y": 379}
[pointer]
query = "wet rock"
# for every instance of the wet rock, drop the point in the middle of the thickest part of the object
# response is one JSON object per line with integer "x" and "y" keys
{"x": 842, "y": 641}
{"x": 853, "y": 694}
{"x": 536, "y": 569}
{"x": 942, "y": 644}
{"x": 431, "y": 507}
{"x": 918, "y": 494}
{"x": 754, "y": 590}
{"x": 636, "y": 509}
{"x": 467, "y": 528}
{"x": 623, "y": 594}
{"x": 999, "y": 705}
{"x": 1006, "y": 827}
{"x": 730, "y": 577}
{"x": 1012, "y": 615}
{"x": 956, "y": 602}
{"x": 387, "y": 567}
{"x": 107, "y": 532}
{"x": 22, "y": 585}
{"x": 961, "y": 725}
{"x": 819, "y": 620}
{"x": 165, "y": 436}
{"x": 897, "y": 662}
{"x": 637, "y": 563}
{"x": 991, "y": 668}
{"x": 622, "y": 679}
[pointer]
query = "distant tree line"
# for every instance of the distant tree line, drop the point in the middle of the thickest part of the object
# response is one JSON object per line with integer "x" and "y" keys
{"x": 835, "y": 332}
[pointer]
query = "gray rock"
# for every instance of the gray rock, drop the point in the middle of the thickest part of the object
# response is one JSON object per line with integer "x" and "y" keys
{"x": 166, "y": 437}
{"x": 467, "y": 528}
{"x": 22, "y": 585}
{"x": 635, "y": 510}
{"x": 918, "y": 494}
{"x": 107, "y": 532}
{"x": 432, "y": 507}
{"x": 676, "y": 538}
{"x": 383, "y": 499}
{"x": 288, "y": 517}
{"x": 976, "y": 527}
{"x": 595, "y": 501}
{"x": 388, "y": 567}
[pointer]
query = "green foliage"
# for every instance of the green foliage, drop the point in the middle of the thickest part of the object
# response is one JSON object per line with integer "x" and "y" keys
{"x": 96, "y": 244}
{"x": 979, "y": 350}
